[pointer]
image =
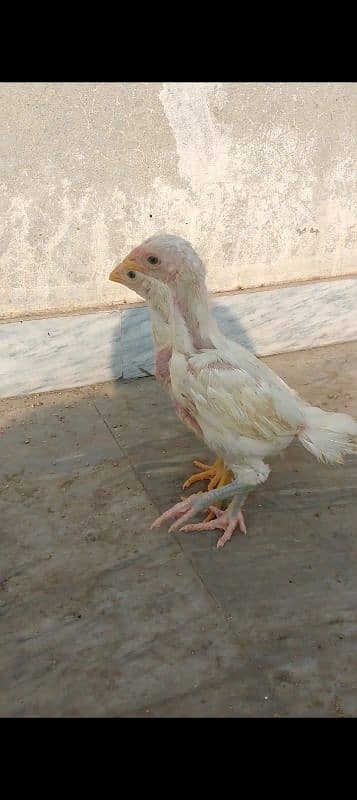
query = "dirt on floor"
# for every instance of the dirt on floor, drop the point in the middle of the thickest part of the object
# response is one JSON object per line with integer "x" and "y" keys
{"x": 100, "y": 616}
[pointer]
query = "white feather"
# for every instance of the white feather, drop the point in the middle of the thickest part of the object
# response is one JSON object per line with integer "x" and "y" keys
{"x": 246, "y": 412}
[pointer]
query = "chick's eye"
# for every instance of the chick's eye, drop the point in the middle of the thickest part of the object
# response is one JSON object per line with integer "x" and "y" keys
{"x": 153, "y": 260}
{"x": 131, "y": 274}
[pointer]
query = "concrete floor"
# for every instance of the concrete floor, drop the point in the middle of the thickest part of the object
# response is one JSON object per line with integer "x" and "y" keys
{"x": 102, "y": 617}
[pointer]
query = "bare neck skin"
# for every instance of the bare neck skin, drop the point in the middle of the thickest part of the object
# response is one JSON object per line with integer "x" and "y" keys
{"x": 193, "y": 327}
{"x": 158, "y": 299}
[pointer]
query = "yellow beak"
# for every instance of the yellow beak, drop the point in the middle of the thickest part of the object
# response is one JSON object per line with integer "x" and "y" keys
{"x": 124, "y": 266}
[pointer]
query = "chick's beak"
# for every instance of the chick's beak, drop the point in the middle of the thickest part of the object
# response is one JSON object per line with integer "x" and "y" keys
{"x": 121, "y": 269}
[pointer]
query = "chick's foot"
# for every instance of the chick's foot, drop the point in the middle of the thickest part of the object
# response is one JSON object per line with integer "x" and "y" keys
{"x": 227, "y": 521}
{"x": 181, "y": 512}
{"x": 212, "y": 474}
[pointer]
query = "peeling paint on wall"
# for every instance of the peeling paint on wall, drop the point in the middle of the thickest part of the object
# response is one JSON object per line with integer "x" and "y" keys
{"x": 260, "y": 177}
{"x": 257, "y": 194}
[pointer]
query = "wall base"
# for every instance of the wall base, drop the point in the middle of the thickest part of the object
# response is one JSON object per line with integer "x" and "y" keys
{"x": 41, "y": 355}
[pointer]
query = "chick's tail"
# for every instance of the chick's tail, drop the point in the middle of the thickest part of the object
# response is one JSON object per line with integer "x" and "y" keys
{"x": 327, "y": 435}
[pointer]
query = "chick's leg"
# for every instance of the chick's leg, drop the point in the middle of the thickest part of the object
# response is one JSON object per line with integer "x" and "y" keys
{"x": 183, "y": 511}
{"x": 227, "y": 521}
{"x": 209, "y": 473}
{"x": 227, "y": 477}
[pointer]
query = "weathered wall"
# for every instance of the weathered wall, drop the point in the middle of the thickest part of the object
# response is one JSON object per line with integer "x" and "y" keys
{"x": 260, "y": 177}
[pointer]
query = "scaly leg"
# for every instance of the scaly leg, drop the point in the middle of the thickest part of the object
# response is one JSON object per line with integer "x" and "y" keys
{"x": 218, "y": 475}
{"x": 226, "y": 478}
{"x": 250, "y": 475}
{"x": 182, "y": 512}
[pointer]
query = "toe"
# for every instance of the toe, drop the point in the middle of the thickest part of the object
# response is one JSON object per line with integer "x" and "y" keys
{"x": 227, "y": 535}
{"x": 192, "y": 479}
{"x": 156, "y": 524}
{"x": 222, "y": 540}
{"x": 199, "y": 526}
{"x": 209, "y": 517}
{"x": 213, "y": 483}
{"x": 200, "y": 465}
{"x": 184, "y": 518}
{"x": 199, "y": 476}
{"x": 241, "y": 523}
{"x": 175, "y": 511}
{"x": 216, "y": 511}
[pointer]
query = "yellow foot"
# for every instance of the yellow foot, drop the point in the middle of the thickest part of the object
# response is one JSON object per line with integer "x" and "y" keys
{"x": 212, "y": 474}
{"x": 226, "y": 478}
{"x": 218, "y": 475}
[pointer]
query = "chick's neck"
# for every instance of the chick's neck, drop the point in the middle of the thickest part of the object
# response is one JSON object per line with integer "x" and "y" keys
{"x": 193, "y": 328}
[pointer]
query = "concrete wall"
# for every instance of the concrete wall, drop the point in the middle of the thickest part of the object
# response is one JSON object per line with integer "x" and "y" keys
{"x": 260, "y": 177}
